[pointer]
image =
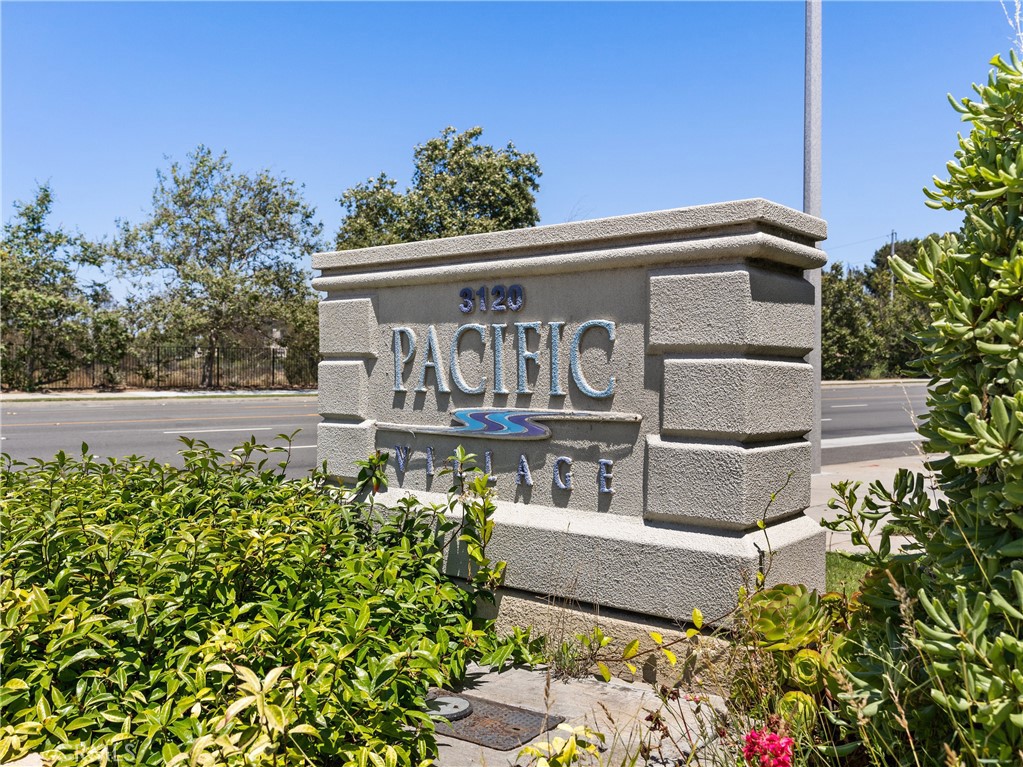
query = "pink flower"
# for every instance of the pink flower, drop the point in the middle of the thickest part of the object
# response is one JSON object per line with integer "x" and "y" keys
{"x": 767, "y": 749}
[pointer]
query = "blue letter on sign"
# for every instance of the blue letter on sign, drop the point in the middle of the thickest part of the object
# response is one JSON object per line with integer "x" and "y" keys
{"x": 524, "y": 355}
{"x": 399, "y": 358}
{"x": 431, "y": 359}
{"x": 401, "y": 454}
{"x": 563, "y": 477}
{"x": 577, "y": 373}
{"x": 456, "y": 371}
{"x": 604, "y": 477}
{"x": 499, "y": 359}
{"x": 556, "y": 390}
{"x": 522, "y": 476}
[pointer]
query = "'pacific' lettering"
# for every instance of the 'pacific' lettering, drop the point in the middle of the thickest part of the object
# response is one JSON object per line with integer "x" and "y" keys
{"x": 405, "y": 350}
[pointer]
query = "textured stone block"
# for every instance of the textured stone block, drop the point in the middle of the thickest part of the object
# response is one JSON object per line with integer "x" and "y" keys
{"x": 344, "y": 389}
{"x": 725, "y": 486}
{"x": 623, "y": 563}
{"x": 348, "y": 328}
{"x": 748, "y": 309}
{"x": 736, "y": 399}
{"x": 341, "y": 445}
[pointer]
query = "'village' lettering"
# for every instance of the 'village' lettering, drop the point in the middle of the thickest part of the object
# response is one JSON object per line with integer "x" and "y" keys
{"x": 563, "y": 473}
{"x": 493, "y": 338}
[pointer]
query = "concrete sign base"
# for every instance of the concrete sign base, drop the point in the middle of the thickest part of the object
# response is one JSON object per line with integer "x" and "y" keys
{"x": 636, "y": 385}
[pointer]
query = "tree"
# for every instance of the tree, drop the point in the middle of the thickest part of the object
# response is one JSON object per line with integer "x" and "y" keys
{"x": 459, "y": 187}
{"x": 899, "y": 316}
{"x": 301, "y": 337}
{"x": 850, "y": 345}
{"x": 47, "y": 314}
{"x": 868, "y": 329}
{"x": 227, "y": 247}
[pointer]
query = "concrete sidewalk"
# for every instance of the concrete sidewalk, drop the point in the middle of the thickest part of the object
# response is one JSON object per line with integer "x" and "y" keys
{"x": 865, "y": 472}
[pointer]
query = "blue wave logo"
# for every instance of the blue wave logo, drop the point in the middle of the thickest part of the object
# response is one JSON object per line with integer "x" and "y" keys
{"x": 509, "y": 423}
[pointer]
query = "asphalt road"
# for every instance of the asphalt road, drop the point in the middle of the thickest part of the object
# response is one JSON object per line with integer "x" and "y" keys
{"x": 153, "y": 427}
{"x": 859, "y": 422}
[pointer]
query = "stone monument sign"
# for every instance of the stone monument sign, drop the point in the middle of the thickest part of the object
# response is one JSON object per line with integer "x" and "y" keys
{"x": 637, "y": 386}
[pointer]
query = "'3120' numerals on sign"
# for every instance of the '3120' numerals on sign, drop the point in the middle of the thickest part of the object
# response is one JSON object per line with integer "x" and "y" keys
{"x": 502, "y": 298}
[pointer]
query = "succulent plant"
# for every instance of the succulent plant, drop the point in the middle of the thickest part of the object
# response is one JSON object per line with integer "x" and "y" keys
{"x": 787, "y": 617}
{"x": 807, "y": 672}
{"x": 799, "y": 710}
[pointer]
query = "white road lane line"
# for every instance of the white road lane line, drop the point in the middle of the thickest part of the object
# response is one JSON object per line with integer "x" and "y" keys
{"x": 836, "y": 407}
{"x": 871, "y": 439}
{"x": 210, "y": 431}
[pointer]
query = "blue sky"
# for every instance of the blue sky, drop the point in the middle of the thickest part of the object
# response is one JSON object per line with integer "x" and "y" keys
{"x": 628, "y": 106}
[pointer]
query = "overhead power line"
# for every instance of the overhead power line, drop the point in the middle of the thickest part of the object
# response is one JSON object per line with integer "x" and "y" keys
{"x": 858, "y": 242}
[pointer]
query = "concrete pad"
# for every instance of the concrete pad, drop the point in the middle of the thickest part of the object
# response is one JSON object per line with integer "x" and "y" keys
{"x": 32, "y": 760}
{"x": 618, "y": 709}
{"x": 865, "y": 472}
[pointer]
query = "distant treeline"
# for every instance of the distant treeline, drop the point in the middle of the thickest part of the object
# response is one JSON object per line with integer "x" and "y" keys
{"x": 867, "y": 325}
{"x": 218, "y": 267}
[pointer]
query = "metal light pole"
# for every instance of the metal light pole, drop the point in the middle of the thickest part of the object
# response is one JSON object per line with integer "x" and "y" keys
{"x": 891, "y": 293}
{"x": 812, "y": 194}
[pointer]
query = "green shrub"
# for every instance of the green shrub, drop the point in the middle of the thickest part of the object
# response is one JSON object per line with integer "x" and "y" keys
{"x": 222, "y": 614}
{"x": 935, "y": 661}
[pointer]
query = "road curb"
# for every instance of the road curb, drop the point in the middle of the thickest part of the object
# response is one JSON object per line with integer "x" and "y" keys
{"x": 876, "y": 382}
{"x": 141, "y": 394}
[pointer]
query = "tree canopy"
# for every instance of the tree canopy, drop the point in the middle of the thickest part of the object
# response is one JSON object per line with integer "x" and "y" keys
{"x": 868, "y": 329}
{"x": 899, "y": 316}
{"x": 459, "y": 186}
{"x": 51, "y": 320}
{"x": 850, "y": 345}
{"x": 225, "y": 250}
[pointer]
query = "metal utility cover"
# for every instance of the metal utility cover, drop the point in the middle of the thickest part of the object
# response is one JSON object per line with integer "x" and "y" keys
{"x": 497, "y": 726}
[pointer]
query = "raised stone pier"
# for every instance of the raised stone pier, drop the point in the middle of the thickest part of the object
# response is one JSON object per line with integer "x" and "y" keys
{"x": 637, "y": 386}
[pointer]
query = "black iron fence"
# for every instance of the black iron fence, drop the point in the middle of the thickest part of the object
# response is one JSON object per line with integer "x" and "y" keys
{"x": 179, "y": 367}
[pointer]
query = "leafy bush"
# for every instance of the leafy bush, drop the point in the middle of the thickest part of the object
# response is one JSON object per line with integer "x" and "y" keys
{"x": 222, "y": 614}
{"x": 935, "y": 663}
